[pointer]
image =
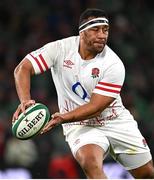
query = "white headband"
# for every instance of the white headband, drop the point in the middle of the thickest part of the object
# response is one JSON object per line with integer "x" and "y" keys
{"x": 94, "y": 22}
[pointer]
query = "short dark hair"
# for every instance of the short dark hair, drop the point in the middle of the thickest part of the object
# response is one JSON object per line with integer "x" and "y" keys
{"x": 91, "y": 12}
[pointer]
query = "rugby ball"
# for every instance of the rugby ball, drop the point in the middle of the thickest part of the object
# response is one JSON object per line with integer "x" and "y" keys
{"x": 31, "y": 122}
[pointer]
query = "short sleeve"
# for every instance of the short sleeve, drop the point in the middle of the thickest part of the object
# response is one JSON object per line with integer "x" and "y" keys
{"x": 44, "y": 58}
{"x": 112, "y": 81}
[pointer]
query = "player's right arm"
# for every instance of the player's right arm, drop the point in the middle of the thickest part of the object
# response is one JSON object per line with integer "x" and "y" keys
{"x": 36, "y": 62}
{"x": 22, "y": 75}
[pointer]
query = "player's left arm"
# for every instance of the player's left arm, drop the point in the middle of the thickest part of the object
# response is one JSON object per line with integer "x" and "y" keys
{"x": 101, "y": 98}
{"x": 92, "y": 109}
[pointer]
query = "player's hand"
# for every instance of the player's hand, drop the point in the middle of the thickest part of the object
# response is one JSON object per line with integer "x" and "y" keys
{"x": 56, "y": 120}
{"x": 21, "y": 108}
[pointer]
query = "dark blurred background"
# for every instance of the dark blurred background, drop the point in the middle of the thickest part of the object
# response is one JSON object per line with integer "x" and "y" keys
{"x": 26, "y": 25}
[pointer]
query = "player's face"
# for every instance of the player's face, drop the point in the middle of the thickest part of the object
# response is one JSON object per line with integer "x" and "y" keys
{"x": 95, "y": 38}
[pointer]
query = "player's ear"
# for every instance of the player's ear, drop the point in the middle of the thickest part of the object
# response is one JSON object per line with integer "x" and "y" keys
{"x": 81, "y": 34}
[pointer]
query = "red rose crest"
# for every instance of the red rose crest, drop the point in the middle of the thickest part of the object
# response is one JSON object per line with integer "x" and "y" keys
{"x": 95, "y": 72}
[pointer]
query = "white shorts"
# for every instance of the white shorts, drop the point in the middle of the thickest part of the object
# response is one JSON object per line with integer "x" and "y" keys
{"x": 119, "y": 137}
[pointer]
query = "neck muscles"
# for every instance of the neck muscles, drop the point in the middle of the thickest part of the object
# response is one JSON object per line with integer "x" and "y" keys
{"x": 86, "y": 54}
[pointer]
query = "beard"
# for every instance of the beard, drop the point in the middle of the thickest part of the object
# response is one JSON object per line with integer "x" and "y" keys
{"x": 98, "y": 47}
{"x": 91, "y": 45}
{"x": 95, "y": 47}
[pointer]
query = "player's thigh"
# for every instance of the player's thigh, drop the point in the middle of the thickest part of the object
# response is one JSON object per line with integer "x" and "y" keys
{"x": 145, "y": 171}
{"x": 87, "y": 135}
{"x": 90, "y": 155}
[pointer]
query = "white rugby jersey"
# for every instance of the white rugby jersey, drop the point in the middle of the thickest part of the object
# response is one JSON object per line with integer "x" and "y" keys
{"x": 76, "y": 79}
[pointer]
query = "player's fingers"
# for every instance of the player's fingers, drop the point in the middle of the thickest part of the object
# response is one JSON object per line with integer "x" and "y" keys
{"x": 49, "y": 126}
{"x": 16, "y": 114}
{"x": 14, "y": 117}
{"x": 26, "y": 104}
{"x": 55, "y": 115}
{"x": 55, "y": 121}
{"x": 46, "y": 128}
{"x": 21, "y": 108}
{"x": 29, "y": 103}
